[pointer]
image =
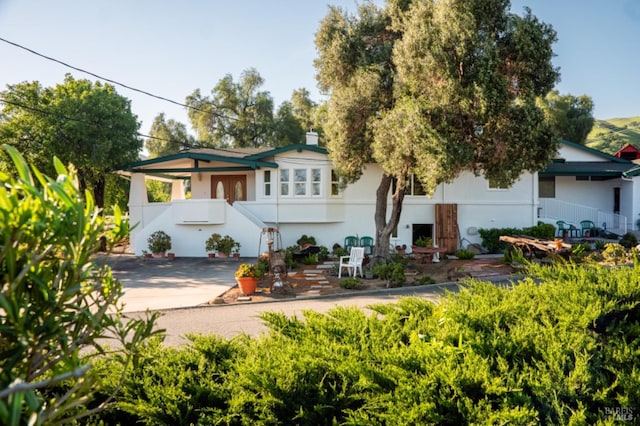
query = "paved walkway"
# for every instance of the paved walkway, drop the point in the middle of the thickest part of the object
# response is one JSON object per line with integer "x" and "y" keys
{"x": 159, "y": 284}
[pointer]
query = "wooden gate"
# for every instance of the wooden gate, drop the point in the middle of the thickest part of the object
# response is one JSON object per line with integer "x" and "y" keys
{"x": 447, "y": 226}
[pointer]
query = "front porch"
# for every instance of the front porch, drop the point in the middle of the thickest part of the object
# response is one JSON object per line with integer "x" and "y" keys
{"x": 551, "y": 210}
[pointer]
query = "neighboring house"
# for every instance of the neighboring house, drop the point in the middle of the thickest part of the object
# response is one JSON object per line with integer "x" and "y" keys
{"x": 586, "y": 184}
{"x": 294, "y": 188}
{"x": 628, "y": 152}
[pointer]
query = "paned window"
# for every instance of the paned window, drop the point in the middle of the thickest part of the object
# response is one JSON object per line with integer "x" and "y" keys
{"x": 494, "y": 184}
{"x": 267, "y": 183}
{"x": 300, "y": 182}
{"x": 284, "y": 182}
{"x": 316, "y": 176}
{"x": 547, "y": 186}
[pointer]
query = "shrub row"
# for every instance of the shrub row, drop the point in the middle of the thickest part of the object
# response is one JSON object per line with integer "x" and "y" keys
{"x": 491, "y": 237}
{"x": 560, "y": 347}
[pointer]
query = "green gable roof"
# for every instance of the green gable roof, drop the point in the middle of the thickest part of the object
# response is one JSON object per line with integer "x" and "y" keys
{"x": 611, "y": 167}
{"x": 238, "y": 158}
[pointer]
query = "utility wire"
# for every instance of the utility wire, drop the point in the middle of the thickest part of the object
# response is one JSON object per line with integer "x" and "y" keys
{"x": 182, "y": 144}
{"x": 94, "y": 124}
{"x": 113, "y": 81}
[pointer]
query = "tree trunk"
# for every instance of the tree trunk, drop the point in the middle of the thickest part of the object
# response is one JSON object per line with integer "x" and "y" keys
{"x": 383, "y": 228}
{"x": 98, "y": 191}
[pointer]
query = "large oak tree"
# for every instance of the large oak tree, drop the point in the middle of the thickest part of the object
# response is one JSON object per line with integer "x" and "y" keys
{"x": 433, "y": 88}
{"x": 87, "y": 124}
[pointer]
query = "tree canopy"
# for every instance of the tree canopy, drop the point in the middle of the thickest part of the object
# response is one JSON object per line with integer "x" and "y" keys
{"x": 571, "y": 116}
{"x": 239, "y": 114}
{"x": 236, "y": 114}
{"x": 167, "y": 137}
{"x": 432, "y": 89}
{"x": 80, "y": 122}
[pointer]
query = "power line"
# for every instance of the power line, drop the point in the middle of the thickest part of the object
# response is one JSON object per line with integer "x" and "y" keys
{"x": 92, "y": 124}
{"x": 144, "y": 92}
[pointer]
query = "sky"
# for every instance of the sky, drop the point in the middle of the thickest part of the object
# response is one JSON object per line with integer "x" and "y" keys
{"x": 170, "y": 48}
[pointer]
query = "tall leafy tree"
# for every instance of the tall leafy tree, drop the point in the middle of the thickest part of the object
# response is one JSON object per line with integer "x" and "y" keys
{"x": 87, "y": 124}
{"x": 287, "y": 128}
{"x": 571, "y": 116}
{"x": 295, "y": 117}
{"x": 236, "y": 114}
{"x": 167, "y": 137}
{"x": 433, "y": 88}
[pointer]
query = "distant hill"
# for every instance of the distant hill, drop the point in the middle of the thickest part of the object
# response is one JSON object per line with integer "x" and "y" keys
{"x": 612, "y": 134}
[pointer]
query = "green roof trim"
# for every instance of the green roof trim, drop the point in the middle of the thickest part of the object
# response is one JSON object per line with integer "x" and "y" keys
{"x": 612, "y": 167}
{"x": 635, "y": 171}
{"x": 593, "y": 151}
{"x": 586, "y": 168}
{"x": 288, "y": 148}
{"x": 247, "y": 163}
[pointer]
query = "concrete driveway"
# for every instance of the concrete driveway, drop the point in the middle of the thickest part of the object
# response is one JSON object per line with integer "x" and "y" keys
{"x": 160, "y": 284}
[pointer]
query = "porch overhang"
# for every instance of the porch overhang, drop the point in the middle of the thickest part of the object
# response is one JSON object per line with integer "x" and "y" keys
{"x": 598, "y": 169}
{"x": 196, "y": 162}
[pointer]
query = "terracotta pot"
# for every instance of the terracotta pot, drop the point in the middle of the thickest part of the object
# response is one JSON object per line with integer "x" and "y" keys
{"x": 171, "y": 256}
{"x": 158, "y": 255}
{"x": 247, "y": 285}
{"x": 212, "y": 255}
{"x": 222, "y": 255}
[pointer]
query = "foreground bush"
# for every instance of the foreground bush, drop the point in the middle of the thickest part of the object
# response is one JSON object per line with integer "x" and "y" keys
{"x": 56, "y": 301}
{"x": 558, "y": 348}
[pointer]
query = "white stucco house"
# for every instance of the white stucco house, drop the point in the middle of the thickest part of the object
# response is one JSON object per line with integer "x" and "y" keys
{"x": 238, "y": 192}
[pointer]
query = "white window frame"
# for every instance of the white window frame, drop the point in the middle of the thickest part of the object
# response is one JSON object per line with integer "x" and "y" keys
{"x": 496, "y": 188}
{"x": 337, "y": 183}
{"x": 301, "y": 178}
{"x": 267, "y": 188}
{"x": 285, "y": 183}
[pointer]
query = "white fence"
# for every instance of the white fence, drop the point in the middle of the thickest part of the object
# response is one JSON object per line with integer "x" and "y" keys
{"x": 573, "y": 213}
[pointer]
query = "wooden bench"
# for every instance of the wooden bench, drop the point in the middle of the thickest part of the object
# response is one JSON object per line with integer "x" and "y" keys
{"x": 425, "y": 254}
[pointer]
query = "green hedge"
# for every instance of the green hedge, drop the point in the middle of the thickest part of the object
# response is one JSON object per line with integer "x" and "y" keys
{"x": 560, "y": 347}
{"x": 491, "y": 237}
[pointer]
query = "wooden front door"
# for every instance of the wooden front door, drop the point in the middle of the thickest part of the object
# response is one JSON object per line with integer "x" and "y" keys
{"x": 230, "y": 187}
{"x": 447, "y": 226}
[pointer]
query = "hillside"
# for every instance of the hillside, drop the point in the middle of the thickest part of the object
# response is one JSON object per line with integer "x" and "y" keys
{"x": 612, "y": 134}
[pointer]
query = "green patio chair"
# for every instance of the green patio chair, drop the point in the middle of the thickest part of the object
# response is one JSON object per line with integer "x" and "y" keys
{"x": 350, "y": 241}
{"x": 367, "y": 243}
{"x": 588, "y": 228}
{"x": 570, "y": 230}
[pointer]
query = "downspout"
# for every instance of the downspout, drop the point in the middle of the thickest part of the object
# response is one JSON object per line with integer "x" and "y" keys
{"x": 535, "y": 199}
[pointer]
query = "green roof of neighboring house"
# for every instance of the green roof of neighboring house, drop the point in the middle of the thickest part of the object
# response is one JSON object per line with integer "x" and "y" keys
{"x": 612, "y": 167}
{"x": 586, "y": 168}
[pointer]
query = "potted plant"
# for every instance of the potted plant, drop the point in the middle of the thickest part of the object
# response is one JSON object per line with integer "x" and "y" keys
{"x": 159, "y": 243}
{"x": 247, "y": 278}
{"x": 223, "y": 245}
{"x": 211, "y": 245}
{"x": 424, "y": 242}
{"x": 236, "y": 250}
{"x": 305, "y": 241}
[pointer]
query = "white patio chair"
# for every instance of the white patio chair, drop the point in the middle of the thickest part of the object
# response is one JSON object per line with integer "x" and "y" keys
{"x": 353, "y": 262}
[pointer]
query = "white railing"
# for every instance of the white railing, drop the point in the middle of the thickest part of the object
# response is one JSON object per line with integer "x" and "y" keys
{"x": 573, "y": 213}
